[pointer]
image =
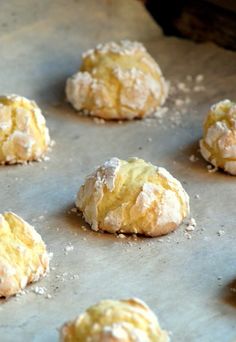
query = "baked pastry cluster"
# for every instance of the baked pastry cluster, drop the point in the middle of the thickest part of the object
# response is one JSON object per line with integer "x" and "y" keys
{"x": 218, "y": 145}
{"x": 132, "y": 197}
{"x": 23, "y": 255}
{"x": 117, "y": 81}
{"x": 23, "y": 132}
{"x": 128, "y": 320}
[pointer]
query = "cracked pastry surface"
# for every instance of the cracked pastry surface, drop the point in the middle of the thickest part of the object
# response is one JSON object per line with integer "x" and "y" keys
{"x": 117, "y": 81}
{"x": 23, "y": 132}
{"x": 218, "y": 145}
{"x": 132, "y": 197}
{"x": 128, "y": 320}
{"x": 23, "y": 255}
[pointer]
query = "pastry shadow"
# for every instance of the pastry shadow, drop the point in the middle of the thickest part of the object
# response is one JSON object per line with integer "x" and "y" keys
{"x": 228, "y": 293}
{"x": 53, "y": 91}
{"x": 198, "y": 164}
{"x": 77, "y": 223}
{"x": 192, "y": 150}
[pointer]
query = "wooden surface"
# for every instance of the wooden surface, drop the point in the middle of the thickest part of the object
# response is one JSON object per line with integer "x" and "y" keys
{"x": 187, "y": 282}
{"x": 198, "y": 20}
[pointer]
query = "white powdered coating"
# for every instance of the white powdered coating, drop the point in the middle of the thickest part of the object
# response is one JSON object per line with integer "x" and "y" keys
{"x": 183, "y": 196}
{"x": 215, "y": 132}
{"x": 169, "y": 209}
{"x": 228, "y": 151}
{"x": 24, "y": 143}
{"x": 124, "y": 332}
{"x": 110, "y": 170}
{"x": 124, "y": 47}
{"x": 146, "y": 197}
{"x": 77, "y": 88}
{"x": 114, "y": 219}
{"x": 92, "y": 193}
{"x": 219, "y": 108}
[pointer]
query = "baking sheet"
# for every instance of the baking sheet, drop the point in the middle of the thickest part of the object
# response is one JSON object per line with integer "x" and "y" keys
{"x": 187, "y": 282}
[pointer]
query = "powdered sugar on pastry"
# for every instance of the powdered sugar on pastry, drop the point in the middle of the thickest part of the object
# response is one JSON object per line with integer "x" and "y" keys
{"x": 218, "y": 145}
{"x": 23, "y": 255}
{"x": 117, "y": 81}
{"x": 23, "y": 132}
{"x": 128, "y": 320}
{"x": 138, "y": 198}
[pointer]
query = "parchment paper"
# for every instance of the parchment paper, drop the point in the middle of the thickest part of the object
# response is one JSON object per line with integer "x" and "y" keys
{"x": 186, "y": 281}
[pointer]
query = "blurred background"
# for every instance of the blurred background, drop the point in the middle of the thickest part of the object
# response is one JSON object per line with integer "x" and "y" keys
{"x": 200, "y": 20}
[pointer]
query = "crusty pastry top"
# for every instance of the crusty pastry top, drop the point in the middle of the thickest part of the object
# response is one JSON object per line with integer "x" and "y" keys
{"x": 218, "y": 145}
{"x": 132, "y": 197}
{"x": 117, "y": 81}
{"x": 23, "y": 132}
{"x": 23, "y": 255}
{"x": 128, "y": 320}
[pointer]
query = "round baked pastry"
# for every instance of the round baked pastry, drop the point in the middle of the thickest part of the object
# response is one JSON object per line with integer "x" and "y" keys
{"x": 132, "y": 197}
{"x": 117, "y": 81}
{"x": 23, "y": 132}
{"x": 23, "y": 255}
{"x": 218, "y": 145}
{"x": 128, "y": 320}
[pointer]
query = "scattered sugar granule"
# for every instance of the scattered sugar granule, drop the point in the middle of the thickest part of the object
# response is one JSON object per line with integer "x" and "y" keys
{"x": 182, "y": 86}
{"x": 69, "y": 248}
{"x": 179, "y": 102}
{"x": 160, "y": 112}
{"x": 197, "y": 196}
{"x": 199, "y": 88}
{"x": 221, "y": 232}
{"x": 149, "y": 139}
{"x": 199, "y": 78}
{"x": 48, "y": 296}
{"x": 193, "y": 158}
{"x": 39, "y": 290}
{"x": 191, "y": 225}
{"x": 188, "y": 236}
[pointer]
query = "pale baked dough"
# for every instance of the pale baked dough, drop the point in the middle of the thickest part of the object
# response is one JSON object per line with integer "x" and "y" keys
{"x": 218, "y": 145}
{"x": 23, "y": 132}
{"x": 23, "y": 255}
{"x": 132, "y": 197}
{"x": 128, "y": 320}
{"x": 117, "y": 81}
